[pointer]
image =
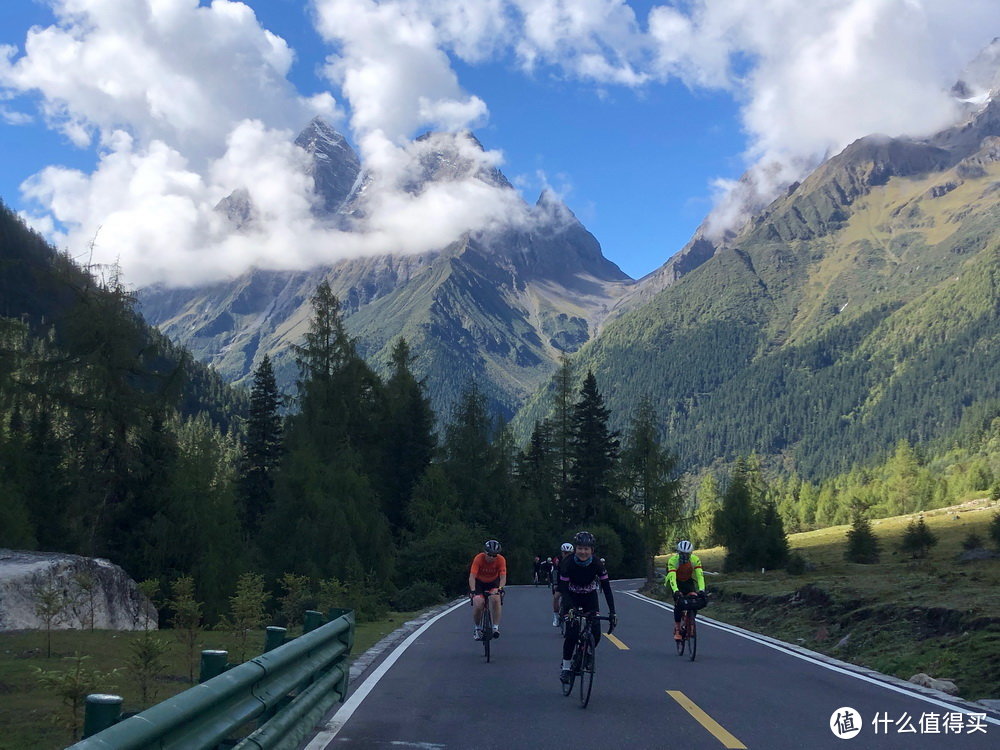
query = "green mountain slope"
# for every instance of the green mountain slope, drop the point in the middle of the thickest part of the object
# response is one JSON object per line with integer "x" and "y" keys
{"x": 859, "y": 309}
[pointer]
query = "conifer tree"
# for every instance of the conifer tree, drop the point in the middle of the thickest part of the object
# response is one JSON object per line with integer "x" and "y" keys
{"x": 862, "y": 544}
{"x": 917, "y": 539}
{"x": 594, "y": 450}
{"x": 261, "y": 450}
{"x": 736, "y": 521}
{"x": 649, "y": 487}
{"x": 408, "y": 434}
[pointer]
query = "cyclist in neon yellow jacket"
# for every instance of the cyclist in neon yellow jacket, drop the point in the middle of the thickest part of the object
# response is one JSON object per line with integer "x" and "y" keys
{"x": 684, "y": 576}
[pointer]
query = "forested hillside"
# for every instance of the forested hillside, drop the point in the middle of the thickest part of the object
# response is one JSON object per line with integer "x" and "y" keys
{"x": 858, "y": 310}
{"x": 113, "y": 443}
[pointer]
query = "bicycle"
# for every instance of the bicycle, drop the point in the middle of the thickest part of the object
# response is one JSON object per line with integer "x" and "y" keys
{"x": 583, "y": 663}
{"x": 689, "y": 605}
{"x": 487, "y": 621}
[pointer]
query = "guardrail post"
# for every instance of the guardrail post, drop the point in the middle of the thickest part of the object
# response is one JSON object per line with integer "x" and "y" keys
{"x": 336, "y": 612}
{"x": 213, "y": 663}
{"x": 311, "y": 621}
{"x": 100, "y": 712}
{"x": 274, "y": 637}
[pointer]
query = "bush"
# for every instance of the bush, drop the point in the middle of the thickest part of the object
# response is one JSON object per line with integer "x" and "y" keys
{"x": 995, "y": 530}
{"x": 796, "y": 564}
{"x": 918, "y": 539}
{"x": 417, "y": 596}
{"x": 444, "y": 556}
{"x": 972, "y": 541}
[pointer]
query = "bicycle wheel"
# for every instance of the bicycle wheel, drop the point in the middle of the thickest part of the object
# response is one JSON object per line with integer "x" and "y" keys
{"x": 587, "y": 670}
{"x": 574, "y": 669}
{"x": 692, "y": 637}
{"x": 487, "y": 630}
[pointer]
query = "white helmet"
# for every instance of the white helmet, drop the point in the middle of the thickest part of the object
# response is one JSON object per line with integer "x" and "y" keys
{"x": 566, "y": 547}
{"x": 685, "y": 546}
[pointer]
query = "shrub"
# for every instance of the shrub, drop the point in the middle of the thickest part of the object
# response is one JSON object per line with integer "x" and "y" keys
{"x": 796, "y": 564}
{"x": 995, "y": 530}
{"x": 417, "y": 596}
{"x": 972, "y": 541}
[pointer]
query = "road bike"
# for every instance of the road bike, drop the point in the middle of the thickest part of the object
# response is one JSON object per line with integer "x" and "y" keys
{"x": 487, "y": 622}
{"x": 689, "y": 605}
{"x": 583, "y": 663}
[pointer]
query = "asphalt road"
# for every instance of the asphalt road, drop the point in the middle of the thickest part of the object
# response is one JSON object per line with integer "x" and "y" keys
{"x": 440, "y": 693}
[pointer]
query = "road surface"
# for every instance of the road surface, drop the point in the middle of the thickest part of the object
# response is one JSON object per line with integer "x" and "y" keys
{"x": 437, "y": 691}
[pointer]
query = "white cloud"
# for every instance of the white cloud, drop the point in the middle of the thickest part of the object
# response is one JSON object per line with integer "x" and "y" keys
{"x": 186, "y": 102}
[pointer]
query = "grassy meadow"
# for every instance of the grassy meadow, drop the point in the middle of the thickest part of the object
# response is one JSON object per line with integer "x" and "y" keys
{"x": 900, "y": 616}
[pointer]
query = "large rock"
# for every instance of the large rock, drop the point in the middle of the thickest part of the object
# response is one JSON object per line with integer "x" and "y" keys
{"x": 82, "y": 592}
{"x": 925, "y": 680}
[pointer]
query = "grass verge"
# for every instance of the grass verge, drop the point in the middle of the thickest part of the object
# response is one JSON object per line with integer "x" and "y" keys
{"x": 29, "y": 715}
{"x": 900, "y": 616}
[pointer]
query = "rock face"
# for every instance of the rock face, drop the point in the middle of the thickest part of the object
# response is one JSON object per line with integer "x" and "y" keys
{"x": 86, "y": 592}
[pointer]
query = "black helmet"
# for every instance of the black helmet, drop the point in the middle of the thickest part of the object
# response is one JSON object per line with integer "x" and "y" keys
{"x": 584, "y": 539}
{"x": 492, "y": 547}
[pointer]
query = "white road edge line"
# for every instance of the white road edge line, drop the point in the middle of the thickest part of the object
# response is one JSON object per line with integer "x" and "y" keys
{"x": 337, "y": 721}
{"x": 732, "y": 629}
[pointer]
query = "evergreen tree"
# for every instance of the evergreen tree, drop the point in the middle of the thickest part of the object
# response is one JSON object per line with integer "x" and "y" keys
{"x": 409, "y": 436}
{"x": 649, "y": 487}
{"x": 709, "y": 501}
{"x": 772, "y": 543}
{"x": 594, "y": 450}
{"x": 917, "y": 539}
{"x": 862, "y": 544}
{"x": 561, "y": 437}
{"x": 468, "y": 457}
{"x": 537, "y": 471}
{"x": 261, "y": 446}
{"x": 737, "y": 523}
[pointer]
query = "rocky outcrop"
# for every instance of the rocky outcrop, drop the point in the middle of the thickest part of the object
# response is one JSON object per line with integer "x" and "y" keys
{"x": 925, "y": 680}
{"x": 79, "y": 592}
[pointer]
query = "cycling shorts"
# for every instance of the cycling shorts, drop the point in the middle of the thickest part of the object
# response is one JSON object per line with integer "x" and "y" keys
{"x": 483, "y": 586}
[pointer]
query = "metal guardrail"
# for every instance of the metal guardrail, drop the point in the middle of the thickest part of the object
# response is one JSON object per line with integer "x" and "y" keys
{"x": 285, "y": 690}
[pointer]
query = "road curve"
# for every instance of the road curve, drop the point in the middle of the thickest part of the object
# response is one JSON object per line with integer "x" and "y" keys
{"x": 437, "y": 691}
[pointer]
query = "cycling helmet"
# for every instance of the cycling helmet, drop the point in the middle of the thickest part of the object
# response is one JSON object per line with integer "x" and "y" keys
{"x": 584, "y": 539}
{"x": 685, "y": 547}
{"x": 567, "y": 547}
{"x": 492, "y": 547}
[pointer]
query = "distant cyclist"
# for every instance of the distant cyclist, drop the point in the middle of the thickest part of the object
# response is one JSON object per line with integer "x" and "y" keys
{"x": 545, "y": 570}
{"x": 580, "y": 574}
{"x": 684, "y": 576}
{"x": 565, "y": 551}
{"x": 488, "y": 573}
{"x": 538, "y": 569}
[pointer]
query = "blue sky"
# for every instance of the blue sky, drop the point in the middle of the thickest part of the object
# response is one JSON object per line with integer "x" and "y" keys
{"x": 633, "y": 117}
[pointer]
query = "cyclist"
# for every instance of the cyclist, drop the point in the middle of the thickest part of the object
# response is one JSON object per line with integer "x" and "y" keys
{"x": 680, "y": 567}
{"x": 565, "y": 551}
{"x": 538, "y": 567}
{"x": 580, "y": 574}
{"x": 545, "y": 570}
{"x": 488, "y": 573}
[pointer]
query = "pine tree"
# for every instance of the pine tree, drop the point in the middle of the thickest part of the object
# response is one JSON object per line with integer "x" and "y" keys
{"x": 772, "y": 543}
{"x": 650, "y": 489}
{"x": 408, "y": 434}
{"x": 917, "y": 539}
{"x": 736, "y": 522}
{"x": 709, "y": 501}
{"x": 468, "y": 455}
{"x": 594, "y": 450}
{"x": 261, "y": 446}
{"x": 561, "y": 436}
{"x": 862, "y": 544}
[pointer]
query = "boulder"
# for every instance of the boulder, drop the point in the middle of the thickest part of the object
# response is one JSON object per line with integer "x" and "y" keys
{"x": 925, "y": 680}
{"x": 79, "y": 592}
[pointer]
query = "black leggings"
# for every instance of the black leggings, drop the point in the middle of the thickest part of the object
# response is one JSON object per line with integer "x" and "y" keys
{"x": 590, "y": 603}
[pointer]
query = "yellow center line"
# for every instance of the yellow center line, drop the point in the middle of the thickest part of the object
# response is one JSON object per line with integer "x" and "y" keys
{"x": 707, "y": 721}
{"x": 614, "y": 640}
